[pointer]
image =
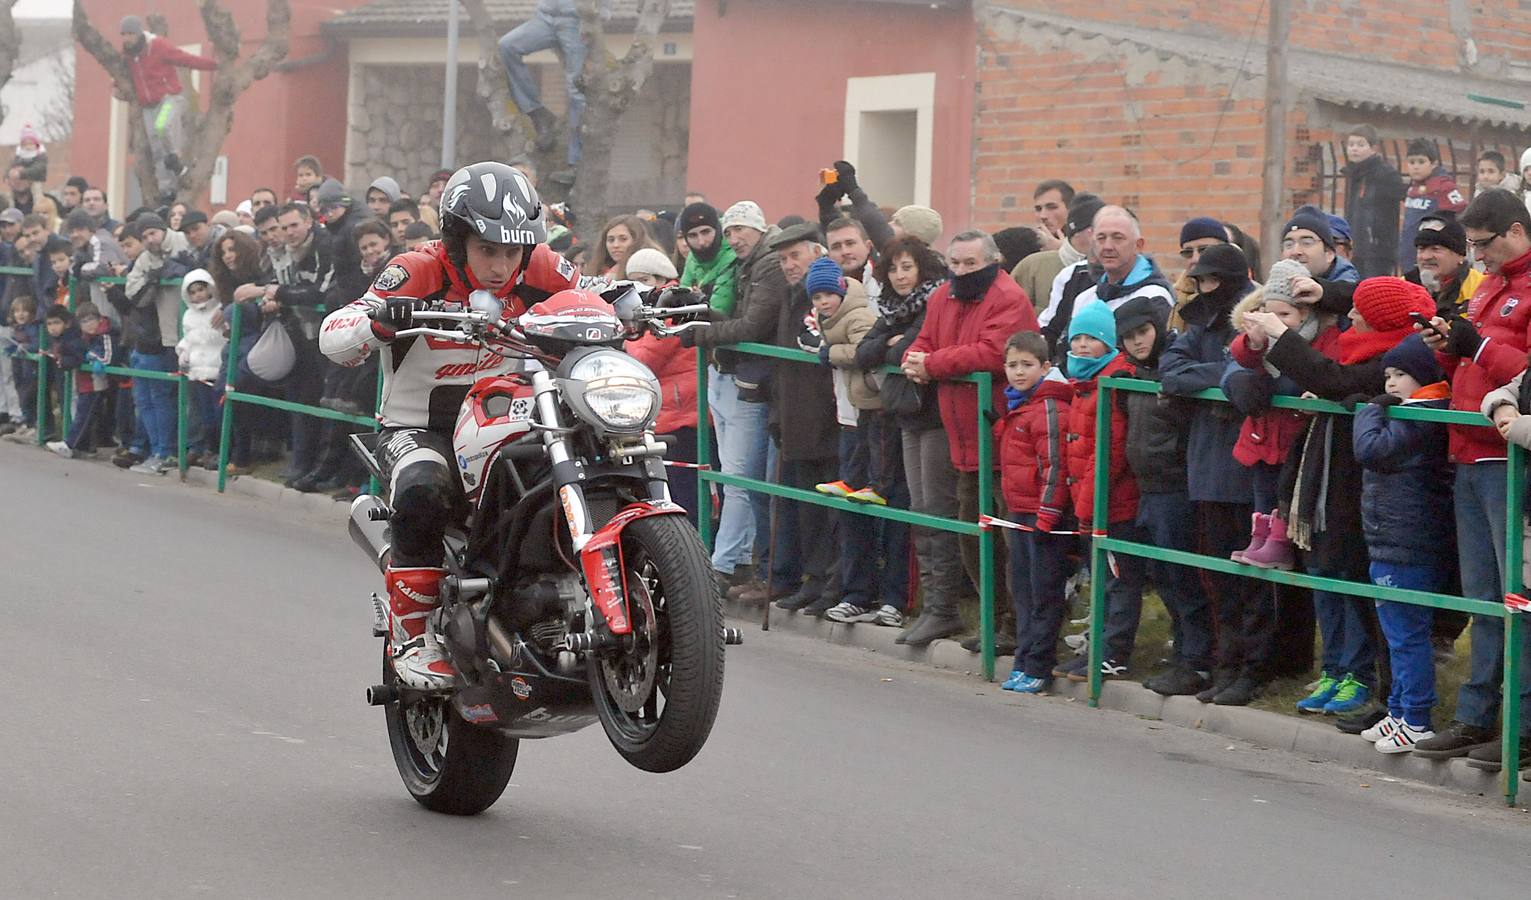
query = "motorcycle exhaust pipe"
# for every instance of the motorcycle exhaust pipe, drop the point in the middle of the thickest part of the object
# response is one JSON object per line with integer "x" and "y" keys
{"x": 369, "y": 528}
{"x": 382, "y": 694}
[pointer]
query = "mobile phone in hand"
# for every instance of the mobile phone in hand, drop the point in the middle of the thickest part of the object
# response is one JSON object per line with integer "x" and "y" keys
{"x": 1420, "y": 320}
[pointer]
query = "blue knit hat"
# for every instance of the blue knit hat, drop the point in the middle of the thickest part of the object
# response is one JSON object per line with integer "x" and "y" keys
{"x": 824, "y": 276}
{"x": 1096, "y": 320}
{"x": 1411, "y": 356}
{"x": 1202, "y": 227}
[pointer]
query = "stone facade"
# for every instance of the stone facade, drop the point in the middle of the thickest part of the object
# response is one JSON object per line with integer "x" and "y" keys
{"x": 395, "y": 117}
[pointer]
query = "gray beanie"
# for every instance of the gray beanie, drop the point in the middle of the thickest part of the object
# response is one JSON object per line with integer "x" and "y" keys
{"x": 131, "y": 25}
{"x": 1281, "y": 284}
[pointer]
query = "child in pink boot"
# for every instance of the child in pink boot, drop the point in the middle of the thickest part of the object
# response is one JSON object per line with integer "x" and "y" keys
{"x": 1268, "y": 434}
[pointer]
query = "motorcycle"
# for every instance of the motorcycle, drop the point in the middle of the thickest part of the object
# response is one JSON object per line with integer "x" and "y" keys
{"x": 576, "y": 591}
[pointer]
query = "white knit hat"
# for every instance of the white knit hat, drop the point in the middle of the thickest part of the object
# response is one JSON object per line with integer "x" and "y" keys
{"x": 746, "y": 213}
{"x": 649, "y": 261}
{"x": 1281, "y": 284}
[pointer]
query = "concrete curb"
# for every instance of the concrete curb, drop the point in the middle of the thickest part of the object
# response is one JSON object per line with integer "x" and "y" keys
{"x": 1313, "y": 738}
{"x": 1316, "y": 739}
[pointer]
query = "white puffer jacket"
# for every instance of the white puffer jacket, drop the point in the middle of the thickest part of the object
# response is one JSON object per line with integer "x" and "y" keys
{"x": 200, "y": 349}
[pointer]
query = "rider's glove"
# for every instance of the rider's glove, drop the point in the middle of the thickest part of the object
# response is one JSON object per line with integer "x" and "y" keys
{"x": 672, "y": 297}
{"x": 394, "y": 316}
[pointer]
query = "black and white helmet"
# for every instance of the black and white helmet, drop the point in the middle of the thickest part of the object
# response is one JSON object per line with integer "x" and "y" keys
{"x": 495, "y": 202}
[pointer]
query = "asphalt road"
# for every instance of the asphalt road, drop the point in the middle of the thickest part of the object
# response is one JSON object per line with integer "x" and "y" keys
{"x": 189, "y": 722}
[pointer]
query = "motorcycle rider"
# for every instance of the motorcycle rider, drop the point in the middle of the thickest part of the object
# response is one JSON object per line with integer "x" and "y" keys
{"x": 494, "y": 238}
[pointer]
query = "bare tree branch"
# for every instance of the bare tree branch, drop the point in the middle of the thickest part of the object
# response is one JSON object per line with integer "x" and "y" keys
{"x": 610, "y": 86}
{"x": 10, "y": 41}
{"x": 205, "y": 132}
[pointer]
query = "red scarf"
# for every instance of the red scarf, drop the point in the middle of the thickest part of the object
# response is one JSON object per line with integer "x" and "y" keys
{"x": 1359, "y": 346}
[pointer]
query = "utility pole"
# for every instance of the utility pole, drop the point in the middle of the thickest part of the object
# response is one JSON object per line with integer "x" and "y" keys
{"x": 449, "y": 107}
{"x": 1278, "y": 104}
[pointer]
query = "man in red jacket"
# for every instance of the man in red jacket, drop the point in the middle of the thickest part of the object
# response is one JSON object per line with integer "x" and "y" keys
{"x": 1481, "y": 352}
{"x": 152, "y": 60}
{"x": 967, "y": 323}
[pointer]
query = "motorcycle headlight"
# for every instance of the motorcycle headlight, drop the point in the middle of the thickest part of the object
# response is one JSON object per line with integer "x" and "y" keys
{"x": 620, "y": 392}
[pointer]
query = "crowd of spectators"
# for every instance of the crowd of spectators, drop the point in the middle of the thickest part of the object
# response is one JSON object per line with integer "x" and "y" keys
{"x": 1412, "y": 298}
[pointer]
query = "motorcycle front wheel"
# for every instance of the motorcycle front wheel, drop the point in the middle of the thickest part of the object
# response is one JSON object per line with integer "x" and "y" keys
{"x": 658, "y": 697}
{"x": 448, "y": 765}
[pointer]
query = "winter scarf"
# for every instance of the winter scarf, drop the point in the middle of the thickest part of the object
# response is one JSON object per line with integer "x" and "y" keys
{"x": 715, "y": 277}
{"x": 1310, "y": 495}
{"x": 1014, "y": 398}
{"x": 1359, "y": 346}
{"x": 1308, "y": 330}
{"x": 974, "y": 285}
{"x": 903, "y": 310}
{"x": 1084, "y": 368}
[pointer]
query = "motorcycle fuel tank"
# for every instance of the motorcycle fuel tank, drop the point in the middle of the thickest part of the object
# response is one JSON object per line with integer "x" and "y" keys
{"x": 497, "y": 410}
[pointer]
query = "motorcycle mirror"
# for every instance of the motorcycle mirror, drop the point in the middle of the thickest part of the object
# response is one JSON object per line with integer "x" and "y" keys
{"x": 627, "y": 306}
{"x": 485, "y": 302}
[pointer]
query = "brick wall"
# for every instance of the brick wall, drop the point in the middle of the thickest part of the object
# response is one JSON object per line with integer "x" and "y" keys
{"x": 1418, "y": 32}
{"x": 1169, "y": 137}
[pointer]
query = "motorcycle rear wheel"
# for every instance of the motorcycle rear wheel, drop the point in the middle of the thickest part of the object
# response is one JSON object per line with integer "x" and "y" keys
{"x": 657, "y": 701}
{"x": 448, "y": 765}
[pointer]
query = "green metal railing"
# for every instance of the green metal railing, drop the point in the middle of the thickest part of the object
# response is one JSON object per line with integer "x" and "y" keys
{"x": 1102, "y": 545}
{"x": 231, "y": 396}
{"x": 986, "y": 578}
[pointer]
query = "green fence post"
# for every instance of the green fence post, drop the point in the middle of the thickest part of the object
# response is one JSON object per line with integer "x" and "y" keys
{"x": 226, "y": 427}
{"x": 180, "y": 422}
{"x": 1100, "y": 560}
{"x": 42, "y": 385}
{"x": 703, "y": 452}
{"x": 986, "y": 573}
{"x": 1515, "y": 482}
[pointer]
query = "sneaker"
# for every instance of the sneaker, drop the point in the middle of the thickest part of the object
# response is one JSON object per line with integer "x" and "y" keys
{"x": 125, "y": 458}
{"x": 23, "y": 435}
{"x": 1109, "y": 668}
{"x": 1350, "y": 696}
{"x": 1360, "y": 721}
{"x": 1073, "y": 670}
{"x": 1079, "y": 643}
{"x": 1016, "y": 677}
{"x": 1457, "y": 740}
{"x": 1404, "y": 738}
{"x": 889, "y": 617}
{"x": 850, "y": 612}
{"x": 834, "y": 489}
{"x": 867, "y": 495}
{"x": 61, "y": 448}
{"x": 1323, "y": 692}
{"x": 1030, "y": 684}
{"x": 1382, "y": 729}
{"x": 1181, "y": 681}
{"x": 154, "y": 465}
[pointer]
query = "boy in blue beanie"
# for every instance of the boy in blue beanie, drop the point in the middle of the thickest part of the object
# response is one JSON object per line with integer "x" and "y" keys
{"x": 1405, "y": 492}
{"x": 1093, "y": 354}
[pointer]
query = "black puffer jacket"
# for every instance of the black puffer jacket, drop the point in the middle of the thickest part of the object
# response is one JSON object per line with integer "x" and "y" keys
{"x": 1156, "y": 424}
{"x": 760, "y": 292}
{"x": 802, "y": 394}
{"x": 1405, "y": 487}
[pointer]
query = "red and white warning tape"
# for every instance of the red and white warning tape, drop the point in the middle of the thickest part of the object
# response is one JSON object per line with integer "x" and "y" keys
{"x": 993, "y": 522}
{"x": 685, "y": 465}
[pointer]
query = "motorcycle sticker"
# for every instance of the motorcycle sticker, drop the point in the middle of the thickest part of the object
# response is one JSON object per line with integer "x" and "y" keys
{"x": 391, "y": 278}
{"x": 520, "y": 688}
{"x": 479, "y": 713}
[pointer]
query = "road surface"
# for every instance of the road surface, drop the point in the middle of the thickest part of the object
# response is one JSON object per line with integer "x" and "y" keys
{"x": 187, "y": 720}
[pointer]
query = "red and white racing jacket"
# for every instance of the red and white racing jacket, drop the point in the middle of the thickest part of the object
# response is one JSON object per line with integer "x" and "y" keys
{"x": 426, "y": 378}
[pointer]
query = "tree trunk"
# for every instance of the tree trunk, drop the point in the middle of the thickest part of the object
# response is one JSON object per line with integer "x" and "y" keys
{"x": 610, "y": 85}
{"x": 10, "y": 41}
{"x": 205, "y": 131}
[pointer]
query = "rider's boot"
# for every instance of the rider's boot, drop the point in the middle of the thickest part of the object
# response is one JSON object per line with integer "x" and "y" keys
{"x": 413, "y": 594}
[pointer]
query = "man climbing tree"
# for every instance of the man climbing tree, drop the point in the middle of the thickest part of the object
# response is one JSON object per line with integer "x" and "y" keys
{"x": 152, "y": 61}
{"x": 175, "y": 145}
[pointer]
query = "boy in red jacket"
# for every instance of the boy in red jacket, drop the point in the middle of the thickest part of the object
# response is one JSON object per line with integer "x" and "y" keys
{"x": 1093, "y": 354}
{"x": 1034, "y": 480}
{"x": 152, "y": 61}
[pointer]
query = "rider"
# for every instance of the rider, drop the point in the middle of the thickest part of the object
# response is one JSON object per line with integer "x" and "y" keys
{"x": 493, "y": 238}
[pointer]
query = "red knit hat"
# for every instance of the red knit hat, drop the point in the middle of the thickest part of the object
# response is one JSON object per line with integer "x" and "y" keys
{"x": 1385, "y": 303}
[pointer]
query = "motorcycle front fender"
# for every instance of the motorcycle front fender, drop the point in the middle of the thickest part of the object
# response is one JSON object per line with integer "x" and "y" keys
{"x": 601, "y": 561}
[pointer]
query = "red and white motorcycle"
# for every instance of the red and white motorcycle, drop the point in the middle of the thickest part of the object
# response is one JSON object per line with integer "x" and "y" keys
{"x": 576, "y": 590}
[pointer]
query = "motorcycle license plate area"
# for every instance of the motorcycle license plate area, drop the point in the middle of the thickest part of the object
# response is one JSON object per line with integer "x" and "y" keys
{"x": 527, "y": 705}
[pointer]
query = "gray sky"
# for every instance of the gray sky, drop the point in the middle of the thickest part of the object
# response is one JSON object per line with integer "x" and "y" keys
{"x": 55, "y": 9}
